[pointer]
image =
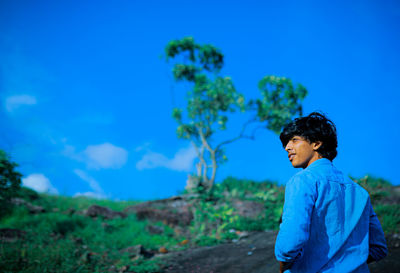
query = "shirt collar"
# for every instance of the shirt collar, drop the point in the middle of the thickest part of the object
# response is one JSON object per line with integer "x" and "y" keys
{"x": 320, "y": 162}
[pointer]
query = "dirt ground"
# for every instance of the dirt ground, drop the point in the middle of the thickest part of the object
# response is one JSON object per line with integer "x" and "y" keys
{"x": 254, "y": 254}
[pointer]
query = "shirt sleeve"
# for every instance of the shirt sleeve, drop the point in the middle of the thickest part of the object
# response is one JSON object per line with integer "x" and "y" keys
{"x": 377, "y": 243}
{"x": 300, "y": 196}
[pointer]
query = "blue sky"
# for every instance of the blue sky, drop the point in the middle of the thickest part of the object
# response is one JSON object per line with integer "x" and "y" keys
{"x": 86, "y": 99}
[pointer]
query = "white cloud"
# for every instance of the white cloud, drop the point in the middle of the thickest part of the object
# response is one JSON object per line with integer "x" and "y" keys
{"x": 14, "y": 102}
{"x": 70, "y": 152}
{"x": 152, "y": 160}
{"x": 93, "y": 184}
{"x": 105, "y": 156}
{"x": 182, "y": 160}
{"x": 90, "y": 195}
{"x": 145, "y": 146}
{"x": 39, "y": 183}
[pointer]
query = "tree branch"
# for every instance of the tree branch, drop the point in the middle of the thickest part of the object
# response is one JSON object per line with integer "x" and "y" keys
{"x": 203, "y": 139}
{"x": 200, "y": 155}
{"x": 241, "y": 134}
{"x": 196, "y": 148}
{"x": 212, "y": 156}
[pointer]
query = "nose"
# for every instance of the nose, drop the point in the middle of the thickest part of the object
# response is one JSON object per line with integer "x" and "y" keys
{"x": 288, "y": 146}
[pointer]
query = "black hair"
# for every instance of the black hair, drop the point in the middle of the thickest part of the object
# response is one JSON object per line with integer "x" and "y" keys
{"x": 314, "y": 127}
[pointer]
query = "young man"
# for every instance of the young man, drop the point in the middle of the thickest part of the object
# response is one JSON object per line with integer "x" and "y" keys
{"x": 328, "y": 224}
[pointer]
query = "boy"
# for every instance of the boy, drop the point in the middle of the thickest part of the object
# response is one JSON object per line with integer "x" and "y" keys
{"x": 328, "y": 224}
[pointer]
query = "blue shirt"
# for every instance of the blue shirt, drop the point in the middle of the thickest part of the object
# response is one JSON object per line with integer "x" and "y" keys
{"x": 328, "y": 224}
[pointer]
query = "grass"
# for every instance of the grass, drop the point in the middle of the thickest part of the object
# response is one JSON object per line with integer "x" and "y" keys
{"x": 215, "y": 216}
{"x": 389, "y": 216}
{"x": 64, "y": 240}
{"x": 57, "y": 241}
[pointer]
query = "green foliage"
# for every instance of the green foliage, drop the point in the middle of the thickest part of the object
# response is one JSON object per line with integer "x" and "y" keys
{"x": 58, "y": 241}
{"x": 266, "y": 192}
{"x": 243, "y": 223}
{"x": 371, "y": 183}
{"x": 61, "y": 241}
{"x": 249, "y": 189}
{"x": 205, "y": 240}
{"x": 64, "y": 203}
{"x": 10, "y": 182}
{"x": 27, "y": 194}
{"x": 65, "y": 226}
{"x": 381, "y": 191}
{"x": 378, "y": 188}
{"x": 214, "y": 98}
{"x": 211, "y": 99}
{"x": 280, "y": 102}
{"x": 389, "y": 216}
{"x": 216, "y": 220}
{"x": 206, "y": 57}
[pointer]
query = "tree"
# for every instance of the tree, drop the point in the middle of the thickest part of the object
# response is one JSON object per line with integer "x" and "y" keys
{"x": 213, "y": 99}
{"x": 10, "y": 182}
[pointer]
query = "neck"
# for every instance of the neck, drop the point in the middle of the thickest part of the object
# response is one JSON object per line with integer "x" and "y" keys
{"x": 315, "y": 157}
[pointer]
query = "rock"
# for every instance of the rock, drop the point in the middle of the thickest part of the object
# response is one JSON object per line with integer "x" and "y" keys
{"x": 182, "y": 232}
{"x": 162, "y": 250}
{"x": 31, "y": 208}
{"x": 173, "y": 211}
{"x": 254, "y": 254}
{"x": 123, "y": 269}
{"x": 96, "y": 210}
{"x": 177, "y": 203}
{"x": 391, "y": 263}
{"x": 249, "y": 209}
{"x": 78, "y": 240}
{"x": 69, "y": 211}
{"x": 135, "y": 251}
{"x": 107, "y": 227}
{"x": 393, "y": 240}
{"x": 152, "y": 229}
{"x": 87, "y": 257}
{"x": 27, "y": 194}
{"x": 166, "y": 216}
{"x": 192, "y": 183}
{"x": 10, "y": 235}
{"x": 242, "y": 234}
{"x": 18, "y": 201}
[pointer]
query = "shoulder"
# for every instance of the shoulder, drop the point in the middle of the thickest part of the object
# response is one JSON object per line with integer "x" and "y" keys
{"x": 304, "y": 176}
{"x": 303, "y": 181}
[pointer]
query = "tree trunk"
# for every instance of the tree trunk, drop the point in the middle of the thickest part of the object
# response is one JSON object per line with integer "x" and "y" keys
{"x": 214, "y": 171}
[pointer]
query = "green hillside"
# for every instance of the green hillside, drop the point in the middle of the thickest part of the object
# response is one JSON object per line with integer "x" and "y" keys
{"x": 46, "y": 233}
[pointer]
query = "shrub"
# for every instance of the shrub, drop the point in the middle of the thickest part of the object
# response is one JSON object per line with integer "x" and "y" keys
{"x": 389, "y": 216}
{"x": 27, "y": 194}
{"x": 378, "y": 188}
{"x": 10, "y": 182}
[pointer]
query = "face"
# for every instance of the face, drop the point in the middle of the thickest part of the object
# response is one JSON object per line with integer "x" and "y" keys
{"x": 302, "y": 153}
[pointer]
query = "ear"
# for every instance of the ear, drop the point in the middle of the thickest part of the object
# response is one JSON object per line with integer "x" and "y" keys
{"x": 316, "y": 145}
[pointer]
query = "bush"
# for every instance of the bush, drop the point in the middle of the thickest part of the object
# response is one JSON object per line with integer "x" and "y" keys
{"x": 10, "y": 183}
{"x": 27, "y": 194}
{"x": 389, "y": 216}
{"x": 57, "y": 241}
{"x": 378, "y": 188}
{"x": 245, "y": 189}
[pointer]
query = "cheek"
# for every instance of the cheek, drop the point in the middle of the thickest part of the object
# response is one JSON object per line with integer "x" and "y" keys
{"x": 303, "y": 150}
